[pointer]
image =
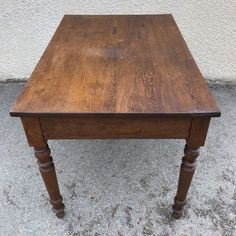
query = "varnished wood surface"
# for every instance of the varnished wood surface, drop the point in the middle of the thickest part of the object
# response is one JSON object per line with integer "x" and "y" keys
{"x": 197, "y": 136}
{"x": 116, "y": 64}
{"x": 33, "y": 132}
{"x": 187, "y": 170}
{"x": 112, "y": 126}
{"x": 42, "y": 152}
{"x": 47, "y": 170}
{"x": 116, "y": 77}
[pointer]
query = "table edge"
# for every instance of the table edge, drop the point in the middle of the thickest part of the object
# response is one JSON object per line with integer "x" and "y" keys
{"x": 75, "y": 114}
{"x": 212, "y": 112}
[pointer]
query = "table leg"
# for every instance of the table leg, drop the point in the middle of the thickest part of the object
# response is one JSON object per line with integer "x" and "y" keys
{"x": 42, "y": 152}
{"x": 196, "y": 139}
{"x": 186, "y": 174}
{"x": 47, "y": 170}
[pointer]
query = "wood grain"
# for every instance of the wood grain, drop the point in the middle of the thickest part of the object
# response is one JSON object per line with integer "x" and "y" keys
{"x": 104, "y": 127}
{"x": 198, "y": 132}
{"x": 116, "y": 64}
{"x": 33, "y": 132}
{"x": 187, "y": 170}
{"x": 48, "y": 173}
{"x": 42, "y": 152}
{"x": 197, "y": 136}
{"x": 116, "y": 77}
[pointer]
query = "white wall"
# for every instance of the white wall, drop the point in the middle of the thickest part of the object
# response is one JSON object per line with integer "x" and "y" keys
{"x": 208, "y": 26}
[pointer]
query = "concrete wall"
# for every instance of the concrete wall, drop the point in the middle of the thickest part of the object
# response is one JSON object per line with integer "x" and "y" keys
{"x": 209, "y": 27}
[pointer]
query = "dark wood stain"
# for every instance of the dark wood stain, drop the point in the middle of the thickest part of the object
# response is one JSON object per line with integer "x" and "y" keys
{"x": 116, "y": 77}
{"x": 105, "y": 127}
{"x": 116, "y": 64}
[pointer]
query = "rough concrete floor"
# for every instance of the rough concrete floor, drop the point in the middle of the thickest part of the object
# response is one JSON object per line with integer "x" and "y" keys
{"x": 119, "y": 187}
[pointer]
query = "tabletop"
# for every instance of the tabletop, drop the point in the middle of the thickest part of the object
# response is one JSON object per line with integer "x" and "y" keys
{"x": 114, "y": 65}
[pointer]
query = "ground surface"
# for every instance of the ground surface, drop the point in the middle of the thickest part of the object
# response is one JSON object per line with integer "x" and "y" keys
{"x": 119, "y": 187}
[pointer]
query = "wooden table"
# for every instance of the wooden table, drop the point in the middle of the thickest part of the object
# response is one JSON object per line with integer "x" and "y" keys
{"x": 105, "y": 77}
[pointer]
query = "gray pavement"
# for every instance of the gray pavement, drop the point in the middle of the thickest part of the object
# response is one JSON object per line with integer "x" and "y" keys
{"x": 119, "y": 187}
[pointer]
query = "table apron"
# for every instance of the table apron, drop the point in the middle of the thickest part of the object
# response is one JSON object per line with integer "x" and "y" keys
{"x": 115, "y": 127}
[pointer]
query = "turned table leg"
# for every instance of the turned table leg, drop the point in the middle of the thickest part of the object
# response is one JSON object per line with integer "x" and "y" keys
{"x": 47, "y": 170}
{"x": 187, "y": 170}
{"x": 197, "y": 135}
{"x": 42, "y": 152}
